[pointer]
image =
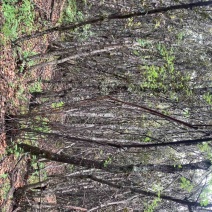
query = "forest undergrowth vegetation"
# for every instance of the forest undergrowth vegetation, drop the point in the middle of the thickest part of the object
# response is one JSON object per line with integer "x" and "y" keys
{"x": 20, "y": 18}
{"x": 108, "y": 104}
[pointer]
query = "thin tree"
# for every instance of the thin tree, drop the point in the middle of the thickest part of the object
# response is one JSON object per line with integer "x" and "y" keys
{"x": 114, "y": 16}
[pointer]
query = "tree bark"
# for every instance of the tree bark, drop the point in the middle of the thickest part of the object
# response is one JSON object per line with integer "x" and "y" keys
{"x": 112, "y": 17}
{"x": 82, "y": 55}
{"x": 204, "y": 165}
{"x": 154, "y": 112}
{"x": 148, "y": 193}
{"x": 121, "y": 145}
{"x": 112, "y": 168}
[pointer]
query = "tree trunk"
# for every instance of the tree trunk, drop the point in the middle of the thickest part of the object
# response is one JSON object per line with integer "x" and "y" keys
{"x": 112, "y": 168}
{"x": 112, "y": 17}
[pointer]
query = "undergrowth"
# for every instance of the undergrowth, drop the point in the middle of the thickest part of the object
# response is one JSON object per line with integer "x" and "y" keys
{"x": 18, "y": 19}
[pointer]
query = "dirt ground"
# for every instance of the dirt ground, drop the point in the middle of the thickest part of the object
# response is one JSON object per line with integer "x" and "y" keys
{"x": 13, "y": 170}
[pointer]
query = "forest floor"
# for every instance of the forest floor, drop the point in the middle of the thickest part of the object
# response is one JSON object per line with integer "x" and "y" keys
{"x": 15, "y": 88}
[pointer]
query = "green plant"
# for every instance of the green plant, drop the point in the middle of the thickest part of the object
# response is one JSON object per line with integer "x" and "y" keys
{"x": 17, "y": 151}
{"x": 18, "y": 18}
{"x": 179, "y": 166}
{"x": 85, "y": 32}
{"x": 147, "y": 137}
{"x": 33, "y": 179}
{"x": 186, "y": 113}
{"x": 4, "y": 175}
{"x": 26, "y": 16}
{"x": 71, "y": 168}
{"x": 205, "y": 195}
{"x": 165, "y": 78}
{"x": 21, "y": 93}
{"x": 39, "y": 173}
{"x": 186, "y": 184}
{"x": 10, "y": 26}
{"x": 37, "y": 127}
{"x": 19, "y": 89}
{"x": 132, "y": 23}
{"x": 107, "y": 161}
{"x": 27, "y": 54}
{"x": 143, "y": 42}
{"x": 180, "y": 36}
{"x": 208, "y": 98}
{"x": 205, "y": 148}
{"x": 71, "y": 14}
{"x": 41, "y": 124}
{"x": 151, "y": 207}
{"x": 57, "y": 104}
{"x": 35, "y": 87}
{"x": 206, "y": 192}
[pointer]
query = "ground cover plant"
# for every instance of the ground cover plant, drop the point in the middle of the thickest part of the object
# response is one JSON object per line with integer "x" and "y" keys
{"x": 19, "y": 18}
